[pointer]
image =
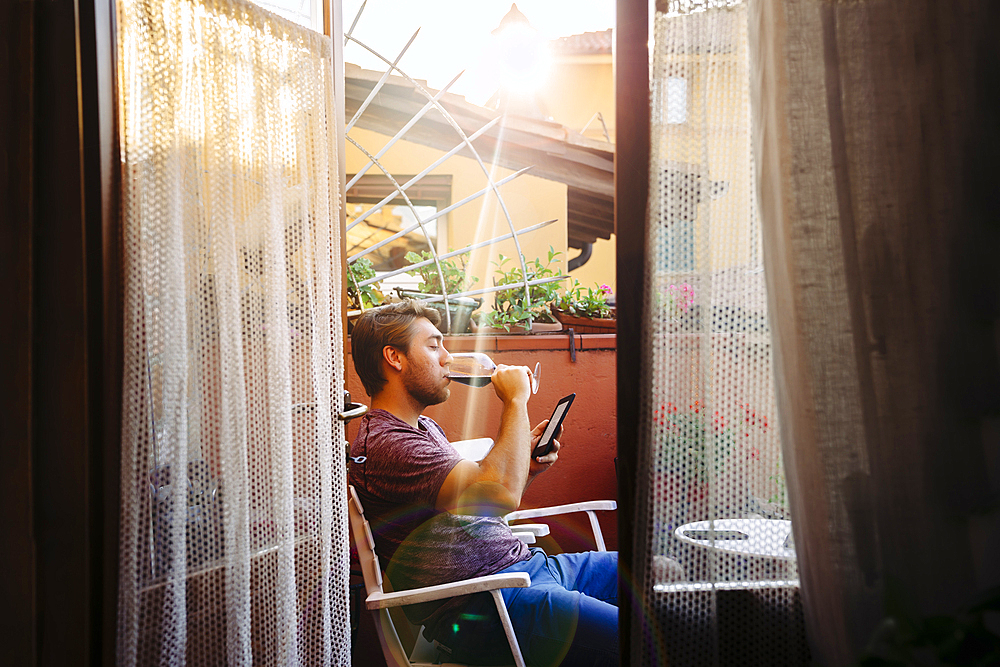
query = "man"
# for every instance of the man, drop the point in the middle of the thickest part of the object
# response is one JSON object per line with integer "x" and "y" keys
{"x": 438, "y": 518}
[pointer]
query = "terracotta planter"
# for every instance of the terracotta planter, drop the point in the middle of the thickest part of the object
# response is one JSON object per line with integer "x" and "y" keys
{"x": 546, "y": 327}
{"x": 584, "y": 324}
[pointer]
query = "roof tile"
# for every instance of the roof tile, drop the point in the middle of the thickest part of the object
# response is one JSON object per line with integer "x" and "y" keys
{"x": 585, "y": 43}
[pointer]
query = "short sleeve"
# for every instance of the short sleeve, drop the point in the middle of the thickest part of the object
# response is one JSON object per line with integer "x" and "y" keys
{"x": 404, "y": 465}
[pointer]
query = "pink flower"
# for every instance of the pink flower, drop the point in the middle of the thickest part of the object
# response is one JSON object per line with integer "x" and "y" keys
{"x": 683, "y": 295}
{"x": 606, "y": 289}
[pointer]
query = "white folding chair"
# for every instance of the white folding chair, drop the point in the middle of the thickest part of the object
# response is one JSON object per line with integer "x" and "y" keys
{"x": 378, "y": 601}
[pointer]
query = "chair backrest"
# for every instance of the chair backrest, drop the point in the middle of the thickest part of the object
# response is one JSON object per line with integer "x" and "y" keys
{"x": 474, "y": 449}
{"x": 361, "y": 535}
{"x": 365, "y": 543}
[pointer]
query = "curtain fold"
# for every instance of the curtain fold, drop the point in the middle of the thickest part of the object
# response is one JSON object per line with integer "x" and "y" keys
{"x": 233, "y": 523}
{"x": 720, "y": 582}
{"x": 876, "y": 148}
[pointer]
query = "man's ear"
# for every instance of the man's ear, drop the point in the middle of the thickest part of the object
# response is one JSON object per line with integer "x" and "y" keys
{"x": 392, "y": 357}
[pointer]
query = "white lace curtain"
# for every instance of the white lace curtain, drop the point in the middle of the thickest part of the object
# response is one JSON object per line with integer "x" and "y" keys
{"x": 709, "y": 411}
{"x": 233, "y": 528}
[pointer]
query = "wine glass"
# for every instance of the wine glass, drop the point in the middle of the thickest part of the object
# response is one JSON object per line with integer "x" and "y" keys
{"x": 475, "y": 368}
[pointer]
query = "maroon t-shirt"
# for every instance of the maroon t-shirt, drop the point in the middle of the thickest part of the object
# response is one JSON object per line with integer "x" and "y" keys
{"x": 398, "y": 484}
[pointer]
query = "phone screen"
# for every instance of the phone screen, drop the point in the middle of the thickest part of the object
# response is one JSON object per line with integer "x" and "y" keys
{"x": 555, "y": 421}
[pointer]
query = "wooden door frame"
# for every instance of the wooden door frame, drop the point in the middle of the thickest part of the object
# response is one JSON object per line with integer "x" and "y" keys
{"x": 62, "y": 337}
{"x": 631, "y": 225}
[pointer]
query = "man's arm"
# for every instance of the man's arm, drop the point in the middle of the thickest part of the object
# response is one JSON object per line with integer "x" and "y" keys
{"x": 493, "y": 486}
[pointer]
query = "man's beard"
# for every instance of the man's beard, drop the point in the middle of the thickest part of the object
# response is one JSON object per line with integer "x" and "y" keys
{"x": 425, "y": 389}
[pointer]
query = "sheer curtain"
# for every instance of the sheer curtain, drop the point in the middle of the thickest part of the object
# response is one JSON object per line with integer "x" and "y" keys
{"x": 233, "y": 529}
{"x": 715, "y": 500}
{"x": 876, "y": 143}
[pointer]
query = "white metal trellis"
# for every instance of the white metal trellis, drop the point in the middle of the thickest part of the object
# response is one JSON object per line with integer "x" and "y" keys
{"x": 399, "y": 190}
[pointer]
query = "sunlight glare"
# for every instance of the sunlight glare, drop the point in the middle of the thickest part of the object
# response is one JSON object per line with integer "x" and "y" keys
{"x": 456, "y": 35}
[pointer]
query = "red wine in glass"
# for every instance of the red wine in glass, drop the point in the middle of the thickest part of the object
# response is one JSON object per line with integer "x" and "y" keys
{"x": 475, "y": 370}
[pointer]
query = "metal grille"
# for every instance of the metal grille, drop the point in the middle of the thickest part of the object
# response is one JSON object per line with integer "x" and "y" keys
{"x": 715, "y": 499}
{"x": 233, "y": 524}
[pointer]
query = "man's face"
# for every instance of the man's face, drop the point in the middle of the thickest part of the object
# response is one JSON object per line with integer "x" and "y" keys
{"x": 426, "y": 364}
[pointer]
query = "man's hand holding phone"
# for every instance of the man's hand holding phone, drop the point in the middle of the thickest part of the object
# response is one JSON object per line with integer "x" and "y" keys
{"x": 543, "y": 463}
{"x": 544, "y": 444}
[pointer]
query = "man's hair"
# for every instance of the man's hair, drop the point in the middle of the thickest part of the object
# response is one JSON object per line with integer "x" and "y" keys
{"x": 391, "y": 324}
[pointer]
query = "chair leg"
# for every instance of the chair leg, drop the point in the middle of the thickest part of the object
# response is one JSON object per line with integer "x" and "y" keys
{"x": 596, "y": 527}
{"x": 508, "y": 628}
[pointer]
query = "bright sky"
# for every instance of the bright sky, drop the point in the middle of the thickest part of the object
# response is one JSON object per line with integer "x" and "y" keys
{"x": 455, "y": 35}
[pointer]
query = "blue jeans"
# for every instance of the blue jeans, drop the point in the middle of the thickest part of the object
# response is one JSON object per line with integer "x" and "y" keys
{"x": 568, "y": 616}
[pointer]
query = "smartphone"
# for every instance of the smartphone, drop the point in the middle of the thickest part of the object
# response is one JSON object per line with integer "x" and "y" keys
{"x": 715, "y": 535}
{"x": 555, "y": 421}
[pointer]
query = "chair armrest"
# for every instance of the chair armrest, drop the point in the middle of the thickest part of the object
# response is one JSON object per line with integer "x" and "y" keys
{"x": 466, "y": 586}
{"x": 589, "y": 506}
{"x": 527, "y": 538}
{"x": 536, "y": 529}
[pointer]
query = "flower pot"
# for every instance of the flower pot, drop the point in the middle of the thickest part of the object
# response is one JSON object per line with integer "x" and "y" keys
{"x": 460, "y": 308}
{"x": 584, "y": 324}
{"x": 546, "y": 327}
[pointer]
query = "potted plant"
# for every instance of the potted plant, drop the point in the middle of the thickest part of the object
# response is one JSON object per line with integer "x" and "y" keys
{"x": 454, "y": 278}
{"x": 695, "y": 451}
{"x": 362, "y": 297}
{"x": 585, "y": 309}
{"x": 511, "y": 311}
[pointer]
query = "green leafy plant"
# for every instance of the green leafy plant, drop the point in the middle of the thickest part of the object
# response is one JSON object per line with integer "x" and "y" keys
{"x": 456, "y": 276}
{"x": 367, "y": 296}
{"x": 780, "y": 489}
{"x": 582, "y": 301}
{"x": 685, "y": 435}
{"x": 510, "y": 307}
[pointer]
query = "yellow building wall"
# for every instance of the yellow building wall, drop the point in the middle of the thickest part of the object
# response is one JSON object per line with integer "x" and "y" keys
{"x": 717, "y": 132}
{"x": 529, "y": 200}
{"x": 576, "y": 89}
{"x": 600, "y": 268}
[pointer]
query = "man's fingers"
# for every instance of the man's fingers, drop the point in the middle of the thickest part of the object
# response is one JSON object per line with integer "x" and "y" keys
{"x": 540, "y": 428}
{"x": 511, "y": 383}
{"x": 553, "y": 454}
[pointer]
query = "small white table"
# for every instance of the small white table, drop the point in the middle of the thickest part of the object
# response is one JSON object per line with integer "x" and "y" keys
{"x": 766, "y": 537}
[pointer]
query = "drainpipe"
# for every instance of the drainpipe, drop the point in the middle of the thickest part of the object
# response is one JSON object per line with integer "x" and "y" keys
{"x": 585, "y": 252}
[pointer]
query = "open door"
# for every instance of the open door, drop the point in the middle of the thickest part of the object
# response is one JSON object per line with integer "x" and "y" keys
{"x": 233, "y": 546}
